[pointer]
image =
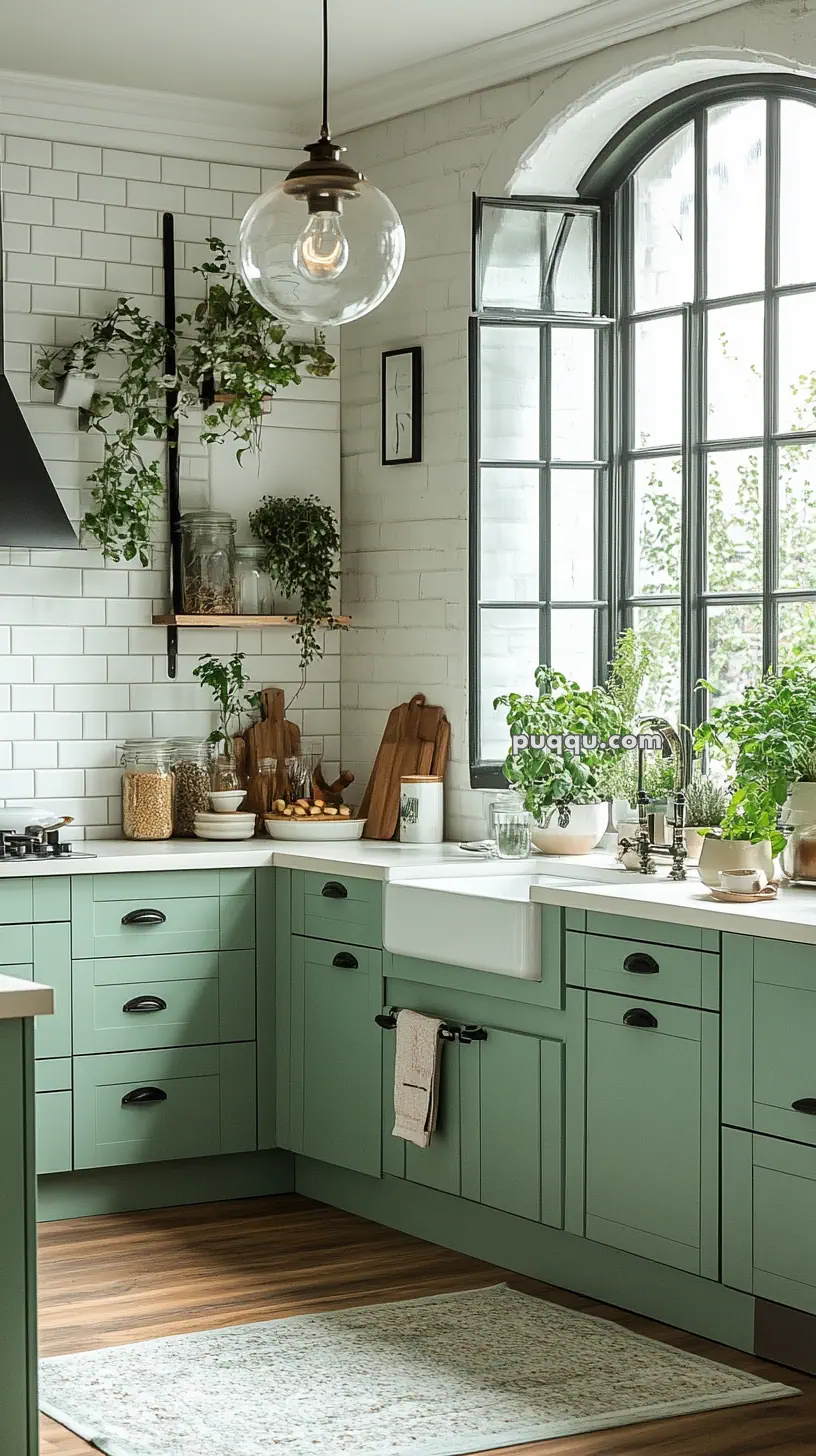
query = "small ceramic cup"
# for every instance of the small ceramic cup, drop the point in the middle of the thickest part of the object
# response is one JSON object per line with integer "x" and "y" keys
{"x": 742, "y": 882}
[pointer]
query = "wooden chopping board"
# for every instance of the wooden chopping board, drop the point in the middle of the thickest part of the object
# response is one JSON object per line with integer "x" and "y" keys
{"x": 416, "y": 741}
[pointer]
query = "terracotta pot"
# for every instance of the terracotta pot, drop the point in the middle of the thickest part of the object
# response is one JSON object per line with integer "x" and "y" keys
{"x": 733, "y": 854}
{"x": 586, "y": 829}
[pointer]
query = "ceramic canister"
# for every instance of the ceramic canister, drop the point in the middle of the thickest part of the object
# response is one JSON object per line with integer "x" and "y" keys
{"x": 421, "y": 818}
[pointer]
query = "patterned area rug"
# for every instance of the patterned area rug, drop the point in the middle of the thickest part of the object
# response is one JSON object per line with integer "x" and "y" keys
{"x": 424, "y": 1377}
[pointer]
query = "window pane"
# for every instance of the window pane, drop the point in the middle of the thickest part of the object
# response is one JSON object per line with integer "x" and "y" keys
{"x": 734, "y": 650}
{"x": 797, "y": 362}
{"x": 657, "y": 512}
{"x": 734, "y": 521}
{"x": 797, "y": 517}
{"x": 572, "y": 645}
{"x": 573, "y": 393}
{"x": 572, "y": 535}
{"x": 736, "y": 197}
{"x": 516, "y": 247}
{"x": 658, "y": 346}
{"x": 509, "y": 535}
{"x": 509, "y": 657}
{"x": 664, "y": 224}
{"x": 509, "y": 386}
{"x": 797, "y": 201}
{"x": 735, "y": 368}
{"x": 797, "y": 632}
{"x": 658, "y": 630}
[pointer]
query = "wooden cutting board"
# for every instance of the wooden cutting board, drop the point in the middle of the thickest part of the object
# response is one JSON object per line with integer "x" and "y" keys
{"x": 414, "y": 740}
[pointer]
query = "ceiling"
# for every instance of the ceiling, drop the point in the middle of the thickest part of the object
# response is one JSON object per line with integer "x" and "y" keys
{"x": 387, "y": 57}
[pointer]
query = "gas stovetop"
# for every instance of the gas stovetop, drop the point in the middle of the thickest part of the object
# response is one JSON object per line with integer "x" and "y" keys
{"x": 36, "y": 846}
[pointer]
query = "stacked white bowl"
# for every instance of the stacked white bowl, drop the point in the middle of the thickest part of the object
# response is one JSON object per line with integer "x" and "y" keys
{"x": 225, "y": 822}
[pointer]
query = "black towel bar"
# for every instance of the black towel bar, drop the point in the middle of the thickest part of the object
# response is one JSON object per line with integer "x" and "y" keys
{"x": 462, "y": 1034}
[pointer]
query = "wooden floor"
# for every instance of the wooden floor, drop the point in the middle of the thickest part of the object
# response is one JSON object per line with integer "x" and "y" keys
{"x": 105, "y": 1281}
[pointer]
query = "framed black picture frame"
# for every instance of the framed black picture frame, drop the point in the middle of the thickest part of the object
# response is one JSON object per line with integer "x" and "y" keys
{"x": 401, "y": 406}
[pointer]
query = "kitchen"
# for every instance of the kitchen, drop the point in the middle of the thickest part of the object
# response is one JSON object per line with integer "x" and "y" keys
{"x": 546, "y": 1160}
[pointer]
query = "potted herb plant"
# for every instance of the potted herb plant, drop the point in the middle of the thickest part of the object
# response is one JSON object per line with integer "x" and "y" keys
{"x": 559, "y": 783}
{"x": 747, "y": 839}
{"x": 769, "y": 736}
{"x": 302, "y": 544}
{"x": 76, "y": 386}
{"x": 706, "y": 804}
{"x": 227, "y": 682}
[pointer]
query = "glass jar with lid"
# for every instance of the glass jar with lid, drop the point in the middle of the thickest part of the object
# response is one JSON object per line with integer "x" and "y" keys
{"x": 147, "y": 789}
{"x": 192, "y": 767}
{"x": 208, "y": 564}
{"x": 253, "y": 582}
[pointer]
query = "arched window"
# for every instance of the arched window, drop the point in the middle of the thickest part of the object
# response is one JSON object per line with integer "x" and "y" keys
{"x": 643, "y": 409}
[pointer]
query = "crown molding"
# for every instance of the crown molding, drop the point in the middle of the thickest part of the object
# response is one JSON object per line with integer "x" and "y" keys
{"x": 593, "y": 27}
{"x": 150, "y": 121}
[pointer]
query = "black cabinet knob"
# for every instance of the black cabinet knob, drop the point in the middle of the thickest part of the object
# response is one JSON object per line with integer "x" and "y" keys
{"x": 141, "y": 1096}
{"x": 641, "y": 964}
{"x": 345, "y": 961}
{"x": 333, "y": 890}
{"x": 805, "y": 1104}
{"x": 639, "y": 1017}
{"x": 145, "y": 1003}
{"x": 144, "y": 917}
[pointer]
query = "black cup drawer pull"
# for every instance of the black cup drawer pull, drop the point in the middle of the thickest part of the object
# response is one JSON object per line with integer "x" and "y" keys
{"x": 805, "y": 1104}
{"x": 639, "y": 1017}
{"x": 345, "y": 961}
{"x": 145, "y": 1003}
{"x": 333, "y": 890}
{"x": 141, "y": 1096}
{"x": 144, "y": 917}
{"x": 641, "y": 964}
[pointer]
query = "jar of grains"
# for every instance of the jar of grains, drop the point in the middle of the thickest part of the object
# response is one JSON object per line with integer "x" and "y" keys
{"x": 192, "y": 764}
{"x": 147, "y": 789}
{"x": 208, "y": 563}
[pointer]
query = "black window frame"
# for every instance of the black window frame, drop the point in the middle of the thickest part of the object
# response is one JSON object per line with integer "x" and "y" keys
{"x": 608, "y": 186}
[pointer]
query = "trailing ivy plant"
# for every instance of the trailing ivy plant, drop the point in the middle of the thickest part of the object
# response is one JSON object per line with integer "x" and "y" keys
{"x": 302, "y": 543}
{"x": 229, "y": 345}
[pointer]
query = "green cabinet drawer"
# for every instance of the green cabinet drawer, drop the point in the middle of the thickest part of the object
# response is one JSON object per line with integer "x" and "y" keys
{"x": 336, "y": 1095}
{"x": 652, "y": 1130}
{"x": 145, "y": 922}
{"x": 785, "y": 1040}
{"x": 50, "y": 947}
{"x": 53, "y": 1075}
{"x": 16, "y": 945}
{"x": 637, "y": 968}
{"x": 189, "y": 1103}
{"x": 769, "y": 1218}
{"x": 54, "y": 1132}
{"x": 337, "y": 907}
{"x": 632, "y": 927}
{"x": 135, "y": 1003}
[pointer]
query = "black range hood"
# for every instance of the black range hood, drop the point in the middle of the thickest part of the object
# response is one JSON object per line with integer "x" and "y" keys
{"x": 31, "y": 512}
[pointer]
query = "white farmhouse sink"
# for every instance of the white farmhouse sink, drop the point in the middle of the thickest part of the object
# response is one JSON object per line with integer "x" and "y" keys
{"x": 485, "y": 923}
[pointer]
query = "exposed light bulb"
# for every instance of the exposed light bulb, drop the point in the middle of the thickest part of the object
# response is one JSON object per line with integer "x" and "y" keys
{"x": 321, "y": 252}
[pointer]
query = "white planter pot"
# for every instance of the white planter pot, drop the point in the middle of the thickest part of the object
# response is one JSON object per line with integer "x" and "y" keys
{"x": 695, "y": 839}
{"x": 733, "y": 854}
{"x": 75, "y": 391}
{"x": 586, "y": 829}
{"x": 800, "y": 805}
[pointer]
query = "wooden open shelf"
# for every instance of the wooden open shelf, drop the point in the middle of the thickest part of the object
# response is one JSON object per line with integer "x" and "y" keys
{"x": 177, "y": 620}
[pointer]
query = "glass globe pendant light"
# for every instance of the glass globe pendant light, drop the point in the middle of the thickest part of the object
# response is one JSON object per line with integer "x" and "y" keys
{"x": 324, "y": 246}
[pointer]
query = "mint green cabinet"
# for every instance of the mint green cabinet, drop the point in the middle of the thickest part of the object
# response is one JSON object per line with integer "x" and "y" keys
{"x": 337, "y": 907}
{"x": 652, "y": 1130}
{"x": 54, "y": 1115}
{"x": 134, "y": 1003}
{"x": 769, "y": 1218}
{"x": 336, "y": 1097}
{"x": 162, "y": 913}
{"x": 144, "y": 1107}
{"x": 19, "y": 1425}
{"x": 637, "y": 967}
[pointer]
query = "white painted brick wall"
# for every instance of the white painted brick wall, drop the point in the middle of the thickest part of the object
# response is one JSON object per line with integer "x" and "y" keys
{"x": 81, "y": 666}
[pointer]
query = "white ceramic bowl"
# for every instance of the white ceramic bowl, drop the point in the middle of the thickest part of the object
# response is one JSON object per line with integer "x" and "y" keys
{"x": 226, "y": 801}
{"x": 232, "y": 831}
{"x": 315, "y": 829}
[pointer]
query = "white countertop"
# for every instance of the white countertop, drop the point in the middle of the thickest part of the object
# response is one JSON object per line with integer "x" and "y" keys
{"x": 24, "y": 998}
{"x": 589, "y": 882}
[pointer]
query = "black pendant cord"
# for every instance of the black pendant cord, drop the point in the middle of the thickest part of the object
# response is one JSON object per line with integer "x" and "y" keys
{"x": 324, "y": 130}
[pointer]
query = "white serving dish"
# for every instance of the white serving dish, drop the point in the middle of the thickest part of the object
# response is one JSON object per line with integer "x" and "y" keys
{"x": 203, "y": 817}
{"x": 226, "y": 801}
{"x": 230, "y": 831}
{"x": 309, "y": 829}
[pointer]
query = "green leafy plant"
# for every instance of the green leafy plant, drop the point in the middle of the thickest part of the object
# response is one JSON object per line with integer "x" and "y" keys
{"x": 632, "y": 662}
{"x": 227, "y": 682}
{"x": 302, "y": 542}
{"x": 229, "y": 344}
{"x": 629, "y": 669}
{"x": 706, "y": 803}
{"x": 769, "y": 734}
{"x": 552, "y": 779}
{"x": 751, "y": 816}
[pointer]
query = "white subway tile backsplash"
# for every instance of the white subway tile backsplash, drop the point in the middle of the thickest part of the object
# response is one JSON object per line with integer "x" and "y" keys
{"x": 233, "y": 178}
{"x": 29, "y": 150}
{"x": 87, "y": 753}
{"x": 71, "y": 157}
{"x": 131, "y": 221}
{"x": 58, "y": 725}
{"x": 14, "y": 177}
{"x": 128, "y": 278}
{"x": 16, "y": 783}
{"x": 34, "y": 754}
{"x": 93, "y": 725}
{"x": 54, "y": 300}
{"x": 130, "y": 725}
{"x": 48, "y": 183}
{"x": 29, "y": 268}
{"x": 32, "y": 698}
{"x": 81, "y": 272}
{"x": 15, "y": 726}
{"x": 107, "y": 247}
{"x": 16, "y": 237}
{"x": 70, "y": 670}
{"x": 47, "y": 640}
{"x": 103, "y": 781}
{"x": 16, "y": 669}
{"x": 164, "y": 196}
{"x": 131, "y": 164}
{"x": 131, "y": 669}
{"x": 58, "y": 782}
{"x": 91, "y": 697}
{"x": 185, "y": 172}
{"x": 208, "y": 202}
{"x": 103, "y": 189}
{"x": 86, "y": 215}
{"x": 61, "y": 242}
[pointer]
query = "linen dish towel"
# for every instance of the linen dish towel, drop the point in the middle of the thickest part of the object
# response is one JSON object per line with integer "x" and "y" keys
{"x": 416, "y": 1077}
